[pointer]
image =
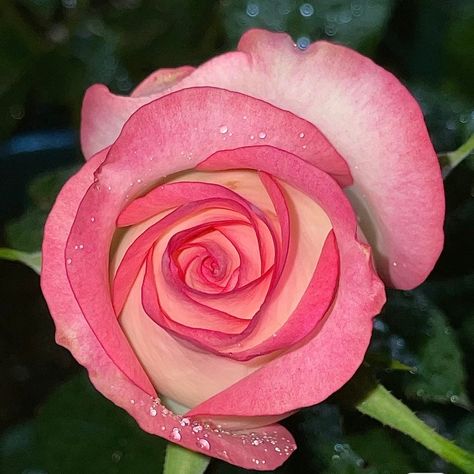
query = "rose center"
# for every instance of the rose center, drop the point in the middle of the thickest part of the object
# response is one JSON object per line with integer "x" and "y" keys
{"x": 208, "y": 263}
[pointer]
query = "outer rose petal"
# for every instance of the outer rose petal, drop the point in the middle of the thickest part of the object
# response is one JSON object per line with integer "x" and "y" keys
{"x": 366, "y": 113}
{"x": 74, "y": 333}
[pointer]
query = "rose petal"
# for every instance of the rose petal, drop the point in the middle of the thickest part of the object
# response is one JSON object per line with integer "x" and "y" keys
{"x": 104, "y": 114}
{"x": 325, "y": 362}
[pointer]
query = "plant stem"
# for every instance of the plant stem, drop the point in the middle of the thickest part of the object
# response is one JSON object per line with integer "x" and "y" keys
{"x": 450, "y": 160}
{"x": 380, "y": 404}
{"x": 179, "y": 460}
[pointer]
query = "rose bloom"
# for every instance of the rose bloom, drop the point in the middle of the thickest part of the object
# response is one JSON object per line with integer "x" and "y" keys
{"x": 218, "y": 260}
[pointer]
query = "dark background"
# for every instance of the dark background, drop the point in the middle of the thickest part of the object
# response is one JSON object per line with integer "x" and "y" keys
{"x": 50, "y": 51}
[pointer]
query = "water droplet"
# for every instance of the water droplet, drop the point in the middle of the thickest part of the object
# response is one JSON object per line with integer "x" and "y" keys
{"x": 153, "y": 411}
{"x": 262, "y": 135}
{"x": 394, "y": 264}
{"x": 303, "y": 42}
{"x": 454, "y": 398}
{"x": 204, "y": 444}
{"x": 139, "y": 180}
{"x": 302, "y": 135}
{"x": 132, "y": 401}
{"x": 185, "y": 422}
{"x": 197, "y": 428}
{"x": 69, "y": 261}
{"x": 252, "y": 137}
{"x": 306, "y": 9}
{"x": 92, "y": 219}
{"x": 175, "y": 434}
{"x": 252, "y": 9}
{"x": 223, "y": 129}
{"x": 81, "y": 246}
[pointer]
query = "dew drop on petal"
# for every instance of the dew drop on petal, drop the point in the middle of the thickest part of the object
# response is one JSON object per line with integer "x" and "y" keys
{"x": 92, "y": 219}
{"x": 153, "y": 411}
{"x": 262, "y": 135}
{"x": 69, "y": 261}
{"x": 175, "y": 434}
{"x": 302, "y": 135}
{"x": 223, "y": 129}
{"x": 204, "y": 444}
{"x": 185, "y": 422}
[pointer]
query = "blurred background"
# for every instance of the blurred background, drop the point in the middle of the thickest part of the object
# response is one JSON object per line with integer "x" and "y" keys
{"x": 51, "y": 420}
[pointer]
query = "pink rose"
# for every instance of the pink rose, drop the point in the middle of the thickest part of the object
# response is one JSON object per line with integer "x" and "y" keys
{"x": 211, "y": 265}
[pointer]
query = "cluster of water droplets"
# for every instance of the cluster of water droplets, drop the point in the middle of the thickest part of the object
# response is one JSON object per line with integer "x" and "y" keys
{"x": 184, "y": 426}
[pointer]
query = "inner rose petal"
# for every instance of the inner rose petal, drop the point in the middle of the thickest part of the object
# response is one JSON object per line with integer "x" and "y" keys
{"x": 304, "y": 255}
{"x": 310, "y": 227}
{"x": 189, "y": 308}
{"x": 209, "y": 263}
{"x": 179, "y": 372}
{"x": 243, "y": 295}
{"x": 135, "y": 254}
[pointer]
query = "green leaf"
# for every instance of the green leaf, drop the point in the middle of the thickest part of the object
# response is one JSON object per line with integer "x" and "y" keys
{"x": 376, "y": 401}
{"x": 26, "y": 232}
{"x": 78, "y": 431}
{"x": 417, "y": 333}
{"x": 179, "y": 460}
{"x": 32, "y": 260}
{"x": 379, "y": 449}
{"x": 441, "y": 376}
